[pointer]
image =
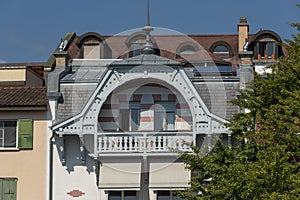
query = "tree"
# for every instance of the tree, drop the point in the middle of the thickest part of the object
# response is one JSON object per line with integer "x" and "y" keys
{"x": 267, "y": 166}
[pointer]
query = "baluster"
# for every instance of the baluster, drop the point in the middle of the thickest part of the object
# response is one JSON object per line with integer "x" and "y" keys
{"x": 130, "y": 143}
{"x": 99, "y": 143}
{"x": 119, "y": 139}
{"x": 110, "y": 143}
{"x": 165, "y": 143}
{"x": 126, "y": 139}
{"x": 137, "y": 143}
{"x": 159, "y": 138}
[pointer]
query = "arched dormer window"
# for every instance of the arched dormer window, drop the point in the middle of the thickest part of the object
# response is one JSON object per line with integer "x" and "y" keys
{"x": 265, "y": 45}
{"x": 186, "y": 49}
{"x": 136, "y": 41}
{"x": 221, "y": 49}
{"x": 92, "y": 46}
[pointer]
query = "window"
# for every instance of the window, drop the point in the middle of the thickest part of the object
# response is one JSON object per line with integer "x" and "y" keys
{"x": 187, "y": 50}
{"x": 164, "y": 117}
{"x": 166, "y": 195}
{"x": 134, "y": 119}
{"x": 266, "y": 50}
{"x": 15, "y": 133}
{"x": 8, "y": 188}
{"x": 8, "y": 134}
{"x": 130, "y": 119}
{"x": 136, "y": 49}
{"x": 122, "y": 195}
{"x": 221, "y": 51}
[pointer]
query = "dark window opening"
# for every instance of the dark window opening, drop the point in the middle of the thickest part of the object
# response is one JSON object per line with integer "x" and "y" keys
{"x": 266, "y": 50}
{"x": 8, "y": 134}
{"x": 167, "y": 195}
{"x": 122, "y": 195}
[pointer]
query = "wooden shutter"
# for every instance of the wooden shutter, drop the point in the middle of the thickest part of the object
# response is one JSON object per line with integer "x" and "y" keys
{"x": 25, "y": 134}
{"x": 8, "y": 189}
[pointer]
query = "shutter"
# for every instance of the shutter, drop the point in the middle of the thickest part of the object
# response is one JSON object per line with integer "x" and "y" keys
{"x": 9, "y": 189}
{"x": 1, "y": 190}
{"x": 25, "y": 134}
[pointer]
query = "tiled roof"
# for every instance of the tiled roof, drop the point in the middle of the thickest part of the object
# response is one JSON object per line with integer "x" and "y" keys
{"x": 23, "y": 96}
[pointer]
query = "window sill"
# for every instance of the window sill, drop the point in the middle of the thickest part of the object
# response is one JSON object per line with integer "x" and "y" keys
{"x": 9, "y": 149}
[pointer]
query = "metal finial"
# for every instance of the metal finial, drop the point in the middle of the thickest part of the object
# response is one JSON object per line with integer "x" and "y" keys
{"x": 148, "y": 47}
{"x": 148, "y": 14}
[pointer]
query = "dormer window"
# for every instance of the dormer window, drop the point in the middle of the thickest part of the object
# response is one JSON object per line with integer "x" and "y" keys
{"x": 221, "y": 51}
{"x": 136, "y": 48}
{"x": 93, "y": 46}
{"x": 187, "y": 50}
{"x": 266, "y": 50}
{"x": 265, "y": 45}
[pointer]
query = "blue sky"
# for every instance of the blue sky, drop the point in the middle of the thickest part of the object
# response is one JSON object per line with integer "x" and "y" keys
{"x": 31, "y": 29}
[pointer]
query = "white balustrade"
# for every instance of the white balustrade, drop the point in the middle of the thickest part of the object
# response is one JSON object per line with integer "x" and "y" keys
{"x": 139, "y": 142}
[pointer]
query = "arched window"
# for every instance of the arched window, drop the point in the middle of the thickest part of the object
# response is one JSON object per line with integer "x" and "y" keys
{"x": 136, "y": 47}
{"x": 92, "y": 46}
{"x": 186, "y": 48}
{"x": 265, "y": 45}
{"x": 221, "y": 51}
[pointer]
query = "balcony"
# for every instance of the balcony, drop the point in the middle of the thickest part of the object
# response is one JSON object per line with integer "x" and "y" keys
{"x": 141, "y": 143}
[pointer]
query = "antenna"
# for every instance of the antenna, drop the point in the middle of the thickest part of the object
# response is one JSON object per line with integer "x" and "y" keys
{"x": 148, "y": 47}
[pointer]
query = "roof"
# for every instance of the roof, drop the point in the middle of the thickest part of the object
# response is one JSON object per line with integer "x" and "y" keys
{"x": 146, "y": 59}
{"x": 23, "y": 97}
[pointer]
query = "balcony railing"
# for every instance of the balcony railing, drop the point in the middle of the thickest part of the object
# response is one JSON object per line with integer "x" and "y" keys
{"x": 140, "y": 142}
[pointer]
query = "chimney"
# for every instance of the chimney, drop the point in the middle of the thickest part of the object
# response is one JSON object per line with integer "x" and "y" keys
{"x": 61, "y": 58}
{"x": 243, "y": 29}
{"x": 245, "y": 56}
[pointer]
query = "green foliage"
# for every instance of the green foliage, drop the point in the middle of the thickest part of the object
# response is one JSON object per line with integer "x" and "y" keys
{"x": 268, "y": 165}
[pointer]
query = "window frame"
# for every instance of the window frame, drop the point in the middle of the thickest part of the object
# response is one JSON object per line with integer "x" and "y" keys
{"x": 2, "y": 146}
{"x": 265, "y": 47}
{"x": 161, "y": 116}
{"x": 170, "y": 195}
{"x": 222, "y": 43}
{"x": 221, "y": 54}
{"x": 122, "y": 194}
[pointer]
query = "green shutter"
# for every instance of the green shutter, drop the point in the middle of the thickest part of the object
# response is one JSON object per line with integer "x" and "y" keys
{"x": 1, "y": 186}
{"x": 25, "y": 134}
{"x": 8, "y": 189}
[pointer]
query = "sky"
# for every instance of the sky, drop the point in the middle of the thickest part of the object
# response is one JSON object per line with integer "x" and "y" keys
{"x": 31, "y": 29}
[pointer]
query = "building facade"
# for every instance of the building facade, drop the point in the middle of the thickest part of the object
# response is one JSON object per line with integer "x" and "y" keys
{"x": 124, "y": 107}
{"x": 107, "y": 117}
{"x": 23, "y": 125}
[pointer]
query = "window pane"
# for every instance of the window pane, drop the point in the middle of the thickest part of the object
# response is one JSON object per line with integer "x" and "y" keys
{"x": 221, "y": 51}
{"x": 124, "y": 119}
{"x": 115, "y": 195}
{"x": 136, "y": 49}
{"x": 130, "y": 195}
{"x": 177, "y": 198}
{"x": 262, "y": 48}
{"x": 134, "y": 119}
{"x": 159, "y": 120}
{"x": 10, "y": 133}
{"x": 170, "y": 121}
{"x": 163, "y": 195}
{"x": 271, "y": 49}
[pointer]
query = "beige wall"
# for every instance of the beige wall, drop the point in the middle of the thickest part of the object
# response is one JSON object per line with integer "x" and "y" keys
{"x": 21, "y": 74}
{"x": 28, "y": 166}
{"x": 12, "y": 75}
